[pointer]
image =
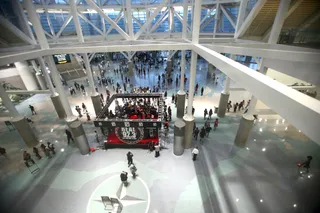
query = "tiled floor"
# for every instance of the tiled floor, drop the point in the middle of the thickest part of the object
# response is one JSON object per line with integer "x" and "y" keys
{"x": 259, "y": 178}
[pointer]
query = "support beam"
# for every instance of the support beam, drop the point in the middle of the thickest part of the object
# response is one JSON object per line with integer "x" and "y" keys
{"x": 196, "y": 22}
{"x": 16, "y": 31}
{"x": 129, "y": 19}
{"x": 278, "y": 22}
{"x": 185, "y": 19}
{"x": 304, "y": 111}
{"x": 48, "y": 18}
{"x": 116, "y": 21}
{"x": 217, "y": 19}
{"x": 148, "y": 22}
{"x": 309, "y": 21}
{"x": 34, "y": 18}
{"x": 8, "y": 103}
{"x": 89, "y": 22}
{"x": 65, "y": 23}
{"x": 226, "y": 13}
{"x": 241, "y": 14}
{"x": 76, "y": 21}
{"x": 28, "y": 92}
{"x": 102, "y": 14}
{"x": 253, "y": 13}
{"x": 161, "y": 19}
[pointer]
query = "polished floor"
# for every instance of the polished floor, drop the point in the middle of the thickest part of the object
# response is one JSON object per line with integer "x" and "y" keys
{"x": 261, "y": 178}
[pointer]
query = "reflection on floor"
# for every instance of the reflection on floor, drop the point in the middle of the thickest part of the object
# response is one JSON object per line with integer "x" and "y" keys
{"x": 262, "y": 177}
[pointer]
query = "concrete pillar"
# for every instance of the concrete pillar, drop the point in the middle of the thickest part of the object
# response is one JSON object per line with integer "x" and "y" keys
{"x": 130, "y": 68}
{"x": 188, "y": 118}
{"x": 169, "y": 66}
{"x": 25, "y": 131}
{"x": 179, "y": 131}
{"x": 189, "y": 122}
{"x": 223, "y": 104}
{"x": 211, "y": 69}
{"x": 46, "y": 75}
{"x": 41, "y": 81}
{"x": 80, "y": 137}
{"x": 58, "y": 106}
{"x": 96, "y": 103}
{"x": 181, "y": 102}
{"x": 224, "y": 98}
{"x": 244, "y": 130}
{"x": 183, "y": 69}
{"x": 13, "y": 112}
{"x": 26, "y": 75}
{"x": 59, "y": 88}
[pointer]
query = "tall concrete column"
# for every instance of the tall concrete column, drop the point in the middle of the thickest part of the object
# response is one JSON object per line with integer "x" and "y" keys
{"x": 59, "y": 88}
{"x": 211, "y": 70}
{"x": 39, "y": 76}
{"x": 181, "y": 95}
{"x": 179, "y": 132}
{"x": 130, "y": 68}
{"x": 246, "y": 124}
{"x": 95, "y": 97}
{"x": 25, "y": 131}
{"x": 188, "y": 118}
{"x": 80, "y": 137}
{"x": 13, "y": 112}
{"x": 26, "y": 75}
{"x": 55, "y": 98}
{"x": 19, "y": 122}
{"x": 224, "y": 98}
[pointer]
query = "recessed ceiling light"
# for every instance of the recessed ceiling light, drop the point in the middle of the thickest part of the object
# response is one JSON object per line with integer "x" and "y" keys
{"x": 261, "y": 200}
{"x": 247, "y": 148}
{"x": 62, "y": 150}
{"x": 51, "y": 130}
{"x": 260, "y": 129}
{"x": 283, "y": 120}
{"x": 294, "y": 205}
{"x": 309, "y": 176}
{"x": 265, "y": 120}
{"x": 277, "y": 121}
{"x": 274, "y": 129}
{"x": 237, "y": 199}
{"x": 263, "y": 149}
{"x": 286, "y": 128}
{"x": 254, "y": 140}
{"x": 299, "y": 130}
{"x": 260, "y": 119}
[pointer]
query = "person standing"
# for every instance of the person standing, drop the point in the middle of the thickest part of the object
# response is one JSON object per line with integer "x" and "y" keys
{"x": 69, "y": 136}
{"x": 36, "y": 152}
{"x": 32, "y": 110}
{"x": 229, "y": 106}
{"x": 202, "y": 91}
{"x": 157, "y": 149}
{"x": 96, "y": 135}
{"x": 51, "y": 148}
{"x": 84, "y": 108}
{"x": 133, "y": 170}
{"x": 235, "y": 107}
{"x": 124, "y": 178}
{"x": 216, "y": 124}
{"x": 195, "y": 153}
{"x": 202, "y": 134}
{"x": 82, "y": 88}
{"x": 27, "y": 159}
{"x": 130, "y": 158}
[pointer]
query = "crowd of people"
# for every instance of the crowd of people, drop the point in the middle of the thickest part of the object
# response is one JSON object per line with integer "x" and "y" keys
{"x": 47, "y": 151}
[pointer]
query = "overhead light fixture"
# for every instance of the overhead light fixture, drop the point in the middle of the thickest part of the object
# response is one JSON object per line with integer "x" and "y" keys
{"x": 286, "y": 128}
{"x": 294, "y": 205}
{"x": 263, "y": 149}
{"x": 260, "y": 129}
{"x": 261, "y": 200}
{"x": 248, "y": 148}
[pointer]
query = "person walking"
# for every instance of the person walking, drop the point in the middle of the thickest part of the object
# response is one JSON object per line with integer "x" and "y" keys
{"x": 202, "y": 134}
{"x": 196, "y": 133}
{"x": 195, "y": 153}
{"x": 210, "y": 113}
{"x": 124, "y": 178}
{"x": 84, "y": 108}
{"x": 82, "y": 88}
{"x": 133, "y": 170}
{"x": 229, "y": 105}
{"x": 202, "y": 91}
{"x": 36, "y": 152}
{"x": 79, "y": 111}
{"x": 32, "y": 110}
{"x": 235, "y": 106}
{"x": 157, "y": 149}
{"x": 215, "y": 124}
{"x": 205, "y": 113}
{"x": 130, "y": 158}
{"x": 96, "y": 135}
{"x": 69, "y": 136}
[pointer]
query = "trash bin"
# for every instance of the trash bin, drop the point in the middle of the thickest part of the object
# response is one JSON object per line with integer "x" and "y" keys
{"x": 215, "y": 110}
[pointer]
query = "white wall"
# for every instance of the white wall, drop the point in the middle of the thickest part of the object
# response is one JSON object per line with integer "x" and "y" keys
{"x": 8, "y": 72}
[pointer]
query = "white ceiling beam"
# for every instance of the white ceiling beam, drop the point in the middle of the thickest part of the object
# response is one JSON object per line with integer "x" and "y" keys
{"x": 120, "y": 15}
{"x": 129, "y": 19}
{"x": 304, "y": 111}
{"x": 290, "y": 11}
{"x": 203, "y": 25}
{"x": 161, "y": 19}
{"x": 125, "y": 55}
{"x": 48, "y": 18}
{"x": 91, "y": 56}
{"x": 65, "y": 23}
{"x": 108, "y": 19}
{"x": 137, "y": 21}
{"x": 266, "y": 52}
{"x": 241, "y": 14}
{"x": 309, "y": 21}
{"x": 16, "y": 31}
{"x": 216, "y": 21}
{"x": 207, "y": 15}
{"x": 148, "y": 22}
{"x": 226, "y": 13}
{"x": 185, "y": 19}
{"x": 181, "y": 19}
{"x": 89, "y": 22}
{"x": 247, "y": 22}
